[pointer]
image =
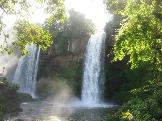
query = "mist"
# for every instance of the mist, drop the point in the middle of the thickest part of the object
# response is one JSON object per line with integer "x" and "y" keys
{"x": 8, "y": 62}
{"x": 58, "y": 90}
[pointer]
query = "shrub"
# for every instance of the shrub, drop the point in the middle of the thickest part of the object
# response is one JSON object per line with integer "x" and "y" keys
{"x": 9, "y": 101}
{"x": 146, "y": 108}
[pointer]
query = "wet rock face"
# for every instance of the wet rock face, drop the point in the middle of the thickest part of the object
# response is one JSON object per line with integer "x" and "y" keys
{"x": 57, "y": 70}
{"x": 61, "y": 63}
{"x": 74, "y": 46}
{"x": 78, "y": 46}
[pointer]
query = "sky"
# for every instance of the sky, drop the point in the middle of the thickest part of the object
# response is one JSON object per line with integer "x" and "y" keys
{"x": 37, "y": 14}
{"x": 92, "y": 9}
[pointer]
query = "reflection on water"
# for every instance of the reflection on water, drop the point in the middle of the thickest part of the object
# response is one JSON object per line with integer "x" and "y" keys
{"x": 48, "y": 111}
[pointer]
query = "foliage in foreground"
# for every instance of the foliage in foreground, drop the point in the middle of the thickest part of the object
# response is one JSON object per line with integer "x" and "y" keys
{"x": 139, "y": 40}
{"x": 28, "y": 33}
{"x": 139, "y": 37}
{"x": 146, "y": 105}
{"x": 10, "y": 99}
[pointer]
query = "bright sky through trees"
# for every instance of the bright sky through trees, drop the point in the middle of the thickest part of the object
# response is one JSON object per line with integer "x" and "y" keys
{"x": 92, "y": 9}
{"x": 36, "y": 14}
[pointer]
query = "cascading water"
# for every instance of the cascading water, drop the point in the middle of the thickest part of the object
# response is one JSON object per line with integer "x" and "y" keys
{"x": 26, "y": 72}
{"x": 93, "y": 70}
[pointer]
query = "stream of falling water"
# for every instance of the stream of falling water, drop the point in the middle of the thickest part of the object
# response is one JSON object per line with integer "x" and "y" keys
{"x": 93, "y": 79}
{"x": 26, "y": 71}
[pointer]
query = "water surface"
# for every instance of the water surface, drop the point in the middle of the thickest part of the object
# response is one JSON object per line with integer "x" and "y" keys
{"x": 49, "y": 111}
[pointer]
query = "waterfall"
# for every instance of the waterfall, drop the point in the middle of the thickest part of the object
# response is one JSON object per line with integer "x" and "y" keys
{"x": 93, "y": 77}
{"x": 26, "y": 71}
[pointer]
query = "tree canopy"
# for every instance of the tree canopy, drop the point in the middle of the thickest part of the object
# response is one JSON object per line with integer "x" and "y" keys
{"x": 76, "y": 26}
{"x": 139, "y": 37}
{"x": 138, "y": 41}
{"x": 27, "y": 32}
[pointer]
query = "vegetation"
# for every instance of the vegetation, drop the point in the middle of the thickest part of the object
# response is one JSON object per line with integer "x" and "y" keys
{"x": 136, "y": 31}
{"x": 10, "y": 99}
{"x": 28, "y": 33}
{"x": 75, "y": 27}
{"x": 44, "y": 40}
{"x": 62, "y": 66}
{"x": 139, "y": 42}
{"x": 53, "y": 77}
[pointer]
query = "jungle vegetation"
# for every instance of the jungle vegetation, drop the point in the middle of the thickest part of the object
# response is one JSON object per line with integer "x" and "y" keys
{"x": 138, "y": 41}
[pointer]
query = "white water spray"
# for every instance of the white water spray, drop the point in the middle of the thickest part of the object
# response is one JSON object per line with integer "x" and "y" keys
{"x": 26, "y": 72}
{"x": 93, "y": 70}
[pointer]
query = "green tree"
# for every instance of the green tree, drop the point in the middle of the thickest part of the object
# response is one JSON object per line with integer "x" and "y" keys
{"x": 140, "y": 35}
{"x": 76, "y": 26}
{"x": 139, "y": 41}
{"x": 54, "y": 7}
{"x": 79, "y": 25}
{"x": 28, "y": 33}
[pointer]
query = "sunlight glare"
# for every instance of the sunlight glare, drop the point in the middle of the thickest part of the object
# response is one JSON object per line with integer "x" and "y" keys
{"x": 92, "y": 9}
{"x": 9, "y": 21}
{"x": 54, "y": 118}
{"x": 38, "y": 17}
{"x": 37, "y": 13}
